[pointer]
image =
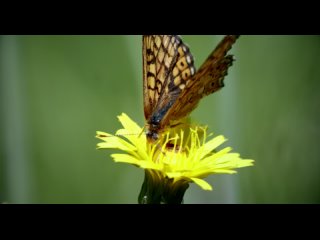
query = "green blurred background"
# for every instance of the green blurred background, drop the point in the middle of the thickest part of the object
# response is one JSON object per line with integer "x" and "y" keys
{"x": 56, "y": 91}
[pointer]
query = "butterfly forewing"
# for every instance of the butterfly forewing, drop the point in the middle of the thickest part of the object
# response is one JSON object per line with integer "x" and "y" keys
{"x": 167, "y": 65}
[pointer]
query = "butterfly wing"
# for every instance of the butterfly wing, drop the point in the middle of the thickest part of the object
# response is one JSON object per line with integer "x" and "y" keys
{"x": 167, "y": 65}
{"x": 208, "y": 79}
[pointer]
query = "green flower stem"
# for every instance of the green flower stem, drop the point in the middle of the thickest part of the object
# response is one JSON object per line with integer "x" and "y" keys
{"x": 161, "y": 190}
{"x": 151, "y": 190}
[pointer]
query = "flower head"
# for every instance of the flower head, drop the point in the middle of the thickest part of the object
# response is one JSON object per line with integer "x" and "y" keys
{"x": 182, "y": 155}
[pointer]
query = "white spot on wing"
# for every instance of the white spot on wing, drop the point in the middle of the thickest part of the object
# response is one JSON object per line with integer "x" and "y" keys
{"x": 188, "y": 59}
{"x": 192, "y": 70}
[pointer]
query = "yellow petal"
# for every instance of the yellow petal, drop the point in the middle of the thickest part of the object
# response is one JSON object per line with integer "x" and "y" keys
{"x": 202, "y": 183}
{"x": 117, "y": 143}
{"x": 128, "y": 124}
{"x": 212, "y": 144}
{"x": 118, "y": 157}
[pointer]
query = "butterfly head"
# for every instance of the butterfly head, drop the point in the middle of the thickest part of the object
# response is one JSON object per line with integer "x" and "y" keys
{"x": 152, "y": 133}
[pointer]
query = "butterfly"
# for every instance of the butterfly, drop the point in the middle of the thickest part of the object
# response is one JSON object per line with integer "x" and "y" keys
{"x": 172, "y": 87}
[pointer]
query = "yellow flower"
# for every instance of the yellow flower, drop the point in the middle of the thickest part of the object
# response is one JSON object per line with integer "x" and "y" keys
{"x": 183, "y": 155}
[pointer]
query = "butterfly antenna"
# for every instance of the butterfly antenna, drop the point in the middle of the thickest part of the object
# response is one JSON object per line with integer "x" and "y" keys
{"x": 142, "y": 131}
{"x": 127, "y": 134}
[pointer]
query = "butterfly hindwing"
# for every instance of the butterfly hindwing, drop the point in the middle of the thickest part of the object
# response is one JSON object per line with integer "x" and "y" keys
{"x": 208, "y": 79}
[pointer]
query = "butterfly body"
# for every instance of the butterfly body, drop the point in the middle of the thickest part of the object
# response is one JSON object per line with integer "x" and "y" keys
{"x": 172, "y": 87}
